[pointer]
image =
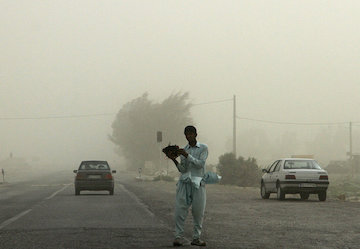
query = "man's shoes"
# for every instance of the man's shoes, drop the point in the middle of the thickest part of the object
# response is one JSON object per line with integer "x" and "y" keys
{"x": 177, "y": 242}
{"x": 198, "y": 242}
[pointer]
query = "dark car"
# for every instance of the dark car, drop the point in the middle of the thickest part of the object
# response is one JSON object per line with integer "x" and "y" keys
{"x": 94, "y": 175}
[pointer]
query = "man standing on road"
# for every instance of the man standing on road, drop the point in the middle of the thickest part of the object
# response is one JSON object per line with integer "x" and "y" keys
{"x": 190, "y": 189}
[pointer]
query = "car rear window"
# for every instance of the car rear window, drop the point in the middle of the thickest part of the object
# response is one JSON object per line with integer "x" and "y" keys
{"x": 301, "y": 164}
{"x": 94, "y": 165}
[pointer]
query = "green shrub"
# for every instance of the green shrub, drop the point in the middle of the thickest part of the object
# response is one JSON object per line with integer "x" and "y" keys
{"x": 240, "y": 172}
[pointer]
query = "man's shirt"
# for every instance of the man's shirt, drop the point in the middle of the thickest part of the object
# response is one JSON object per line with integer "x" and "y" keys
{"x": 194, "y": 164}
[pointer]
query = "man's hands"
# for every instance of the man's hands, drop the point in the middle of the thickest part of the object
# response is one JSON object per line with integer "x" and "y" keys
{"x": 173, "y": 151}
{"x": 183, "y": 152}
{"x": 172, "y": 156}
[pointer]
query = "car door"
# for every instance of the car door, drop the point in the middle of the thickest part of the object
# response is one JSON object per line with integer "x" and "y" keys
{"x": 275, "y": 175}
{"x": 267, "y": 177}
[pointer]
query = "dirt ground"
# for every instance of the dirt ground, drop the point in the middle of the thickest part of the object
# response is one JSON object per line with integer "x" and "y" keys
{"x": 237, "y": 217}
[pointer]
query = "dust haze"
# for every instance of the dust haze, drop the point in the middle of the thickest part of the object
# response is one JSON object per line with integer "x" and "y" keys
{"x": 287, "y": 62}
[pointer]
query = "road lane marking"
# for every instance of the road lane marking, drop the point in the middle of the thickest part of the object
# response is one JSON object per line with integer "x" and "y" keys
{"x": 11, "y": 220}
{"x": 51, "y": 185}
{"x": 55, "y": 193}
{"x": 136, "y": 199}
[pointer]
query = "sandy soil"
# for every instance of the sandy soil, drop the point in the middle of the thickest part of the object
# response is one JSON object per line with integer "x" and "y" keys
{"x": 237, "y": 217}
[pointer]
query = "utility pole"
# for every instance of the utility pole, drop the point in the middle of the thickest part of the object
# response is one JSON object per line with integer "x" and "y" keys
{"x": 350, "y": 140}
{"x": 234, "y": 126}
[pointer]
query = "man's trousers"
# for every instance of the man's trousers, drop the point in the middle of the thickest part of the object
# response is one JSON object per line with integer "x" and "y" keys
{"x": 188, "y": 195}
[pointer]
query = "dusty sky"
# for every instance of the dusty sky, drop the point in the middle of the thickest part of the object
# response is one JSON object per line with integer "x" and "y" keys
{"x": 286, "y": 61}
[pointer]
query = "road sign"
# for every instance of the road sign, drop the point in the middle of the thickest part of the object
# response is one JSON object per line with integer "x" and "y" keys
{"x": 159, "y": 136}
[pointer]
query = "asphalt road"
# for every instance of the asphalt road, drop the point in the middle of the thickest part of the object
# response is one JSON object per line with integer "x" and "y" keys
{"x": 45, "y": 213}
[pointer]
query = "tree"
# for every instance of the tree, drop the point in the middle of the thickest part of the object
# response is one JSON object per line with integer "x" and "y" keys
{"x": 136, "y": 124}
{"x": 240, "y": 172}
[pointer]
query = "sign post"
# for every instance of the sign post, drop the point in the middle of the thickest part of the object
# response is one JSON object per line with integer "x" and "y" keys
{"x": 139, "y": 170}
{"x": 159, "y": 140}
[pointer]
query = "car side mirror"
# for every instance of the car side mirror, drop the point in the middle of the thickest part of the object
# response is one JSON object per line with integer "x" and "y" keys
{"x": 264, "y": 171}
{"x": 75, "y": 171}
{"x": 114, "y": 171}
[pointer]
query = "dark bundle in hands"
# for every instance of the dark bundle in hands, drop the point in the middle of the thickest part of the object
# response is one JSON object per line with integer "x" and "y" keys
{"x": 171, "y": 150}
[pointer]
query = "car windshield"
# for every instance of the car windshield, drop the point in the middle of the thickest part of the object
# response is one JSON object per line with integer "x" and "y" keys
{"x": 94, "y": 165}
{"x": 301, "y": 164}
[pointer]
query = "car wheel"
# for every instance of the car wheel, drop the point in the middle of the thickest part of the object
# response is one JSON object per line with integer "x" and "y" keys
{"x": 77, "y": 191}
{"x": 263, "y": 192}
{"x": 322, "y": 196}
{"x": 280, "y": 193}
{"x": 304, "y": 196}
{"x": 111, "y": 191}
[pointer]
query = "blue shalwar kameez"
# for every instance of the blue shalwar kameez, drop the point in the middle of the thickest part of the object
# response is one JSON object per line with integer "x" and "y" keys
{"x": 190, "y": 189}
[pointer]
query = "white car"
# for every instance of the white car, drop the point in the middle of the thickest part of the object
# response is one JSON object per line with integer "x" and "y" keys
{"x": 294, "y": 176}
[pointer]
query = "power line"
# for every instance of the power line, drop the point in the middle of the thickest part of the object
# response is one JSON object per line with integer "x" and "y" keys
{"x": 60, "y": 117}
{"x": 289, "y": 123}
{"x": 197, "y": 104}
{"x": 89, "y": 115}
{"x": 212, "y": 102}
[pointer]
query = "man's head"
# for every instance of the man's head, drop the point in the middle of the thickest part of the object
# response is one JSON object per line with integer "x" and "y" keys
{"x": 190, "y": 134}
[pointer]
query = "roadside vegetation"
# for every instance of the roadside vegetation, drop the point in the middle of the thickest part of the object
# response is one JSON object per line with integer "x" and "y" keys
{"x": 344, "y": 186}
{"x": 239, "y": 171}
{"x": 137, "y": 122}
{"x": 344, "y": 177}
